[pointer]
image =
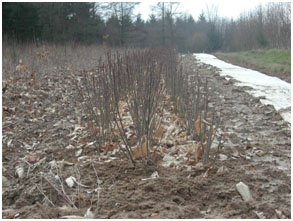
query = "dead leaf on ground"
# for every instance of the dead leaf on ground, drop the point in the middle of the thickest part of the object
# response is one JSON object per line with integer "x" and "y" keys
{"x": 190, "y": 149}
{"x": 22, "y": 68}
{"x": 139, "y": 152}
{"x": 183, "y": 135}
{"x": 109, "y": 147}
{"x": 154, "y": 214}
{"x": 82, "y": 139}
{"x": 156, "y": 157}
{"x": 8, "y": 109}
{"x": 172, "y": 165}
{"x": 132, "y": 136}
{"x": 197, "y": 125}
{"x": 198, "y": 153}
{"x": 207, "y": 173}
{"x": 159, "y": 132}
{"x": 164, "y": 150}
{"x": 206, "y": 122}
{"x": 188, "y": 162}
{"x": 175, "y": 152}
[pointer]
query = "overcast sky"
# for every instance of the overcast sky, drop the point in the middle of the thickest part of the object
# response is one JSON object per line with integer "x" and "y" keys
{"x": 225, "y": 8}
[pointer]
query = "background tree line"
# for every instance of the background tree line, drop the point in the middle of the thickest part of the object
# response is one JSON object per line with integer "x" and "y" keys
{"x": 116, "y": 24}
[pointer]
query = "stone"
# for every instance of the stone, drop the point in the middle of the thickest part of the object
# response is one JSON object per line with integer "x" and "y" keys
{"x": 244, "y": 191}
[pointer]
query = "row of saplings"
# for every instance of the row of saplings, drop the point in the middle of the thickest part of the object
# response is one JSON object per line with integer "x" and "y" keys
{"x": 139, "y": 80}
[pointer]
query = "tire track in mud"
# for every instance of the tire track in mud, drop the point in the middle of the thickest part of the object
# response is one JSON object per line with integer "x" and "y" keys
{"x": 257, "y": 144}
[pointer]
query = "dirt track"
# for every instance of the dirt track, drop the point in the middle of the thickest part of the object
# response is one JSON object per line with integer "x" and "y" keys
{"x": 256, "y": 151}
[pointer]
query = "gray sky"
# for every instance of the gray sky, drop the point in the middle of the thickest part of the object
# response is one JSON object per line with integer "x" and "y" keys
{"x": 225, "y": 8}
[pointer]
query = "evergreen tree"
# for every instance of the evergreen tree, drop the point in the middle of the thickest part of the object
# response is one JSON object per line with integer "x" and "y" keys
{"x": 21, "y": 21}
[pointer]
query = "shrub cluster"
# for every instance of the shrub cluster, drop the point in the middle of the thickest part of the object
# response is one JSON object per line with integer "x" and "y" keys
{"x": 139, "y": 79}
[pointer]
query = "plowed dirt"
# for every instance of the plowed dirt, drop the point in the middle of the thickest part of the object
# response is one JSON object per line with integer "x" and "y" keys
{"x": 256, "y": 152}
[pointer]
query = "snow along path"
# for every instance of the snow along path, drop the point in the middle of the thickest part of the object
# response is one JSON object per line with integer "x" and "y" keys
{"x": 272, "y": 90}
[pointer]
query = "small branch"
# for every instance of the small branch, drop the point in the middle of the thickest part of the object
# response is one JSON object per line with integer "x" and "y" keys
{"x": 42, "y": 192}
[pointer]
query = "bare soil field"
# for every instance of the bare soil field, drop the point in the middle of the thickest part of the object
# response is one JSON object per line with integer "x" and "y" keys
{"x": 46, "y": 148}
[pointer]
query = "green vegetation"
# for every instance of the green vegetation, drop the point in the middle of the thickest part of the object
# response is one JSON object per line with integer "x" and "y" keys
{"x": 274, "y": 62}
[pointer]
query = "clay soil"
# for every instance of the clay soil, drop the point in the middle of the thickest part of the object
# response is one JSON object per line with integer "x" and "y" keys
{"x": 256, "y": 152}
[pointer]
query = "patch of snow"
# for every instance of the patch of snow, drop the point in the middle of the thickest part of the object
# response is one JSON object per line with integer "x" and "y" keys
{"x": 273, "y": 90}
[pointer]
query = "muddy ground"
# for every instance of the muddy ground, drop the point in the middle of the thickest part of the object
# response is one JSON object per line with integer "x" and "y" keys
{"x": 41, "y": 133}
